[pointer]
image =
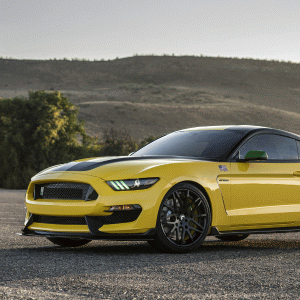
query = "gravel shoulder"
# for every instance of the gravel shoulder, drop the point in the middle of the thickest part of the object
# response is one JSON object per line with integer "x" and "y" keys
{"x": 261, "y": 267}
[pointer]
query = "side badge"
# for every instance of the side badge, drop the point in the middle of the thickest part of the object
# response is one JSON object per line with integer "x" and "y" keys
{"x": 223, "y": 168}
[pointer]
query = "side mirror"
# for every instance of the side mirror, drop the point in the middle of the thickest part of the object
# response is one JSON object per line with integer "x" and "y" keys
{"x": 255, "y": 155}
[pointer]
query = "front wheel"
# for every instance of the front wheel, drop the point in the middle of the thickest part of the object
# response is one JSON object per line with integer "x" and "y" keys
{"x": 65, "y": 242}
{"x": 183, "y": 220}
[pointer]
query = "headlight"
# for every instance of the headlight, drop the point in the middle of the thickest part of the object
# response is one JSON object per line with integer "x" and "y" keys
{"x": 132, "y": 184}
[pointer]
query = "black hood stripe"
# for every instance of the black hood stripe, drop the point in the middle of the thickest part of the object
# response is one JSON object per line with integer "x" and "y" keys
{"x": 89, "y": 165}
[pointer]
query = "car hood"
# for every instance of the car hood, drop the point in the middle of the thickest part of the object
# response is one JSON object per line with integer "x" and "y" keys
{"x": 113, "y": 168}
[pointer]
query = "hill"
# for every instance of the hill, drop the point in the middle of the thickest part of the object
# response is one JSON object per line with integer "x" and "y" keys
{"x": 158, "y": 94}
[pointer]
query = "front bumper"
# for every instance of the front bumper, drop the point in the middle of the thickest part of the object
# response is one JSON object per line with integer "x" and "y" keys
{"x": 93, "y": 224}
{"x": 97, "y": 223}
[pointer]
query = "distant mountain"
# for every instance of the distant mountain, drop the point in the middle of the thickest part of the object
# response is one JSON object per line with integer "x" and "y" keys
{"x": 158, "y": 94}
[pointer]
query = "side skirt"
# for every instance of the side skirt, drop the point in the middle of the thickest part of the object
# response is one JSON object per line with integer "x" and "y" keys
{"x": 214, "y": 231}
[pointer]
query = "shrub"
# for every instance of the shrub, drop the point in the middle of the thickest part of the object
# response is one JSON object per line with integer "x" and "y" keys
{"x": 36, "y": 133}
{"x": 117, "y": 142}
{"x": 43, "y": 131}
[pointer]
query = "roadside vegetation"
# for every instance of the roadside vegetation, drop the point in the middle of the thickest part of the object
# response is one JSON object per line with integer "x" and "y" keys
{"x": 43, "y": 130}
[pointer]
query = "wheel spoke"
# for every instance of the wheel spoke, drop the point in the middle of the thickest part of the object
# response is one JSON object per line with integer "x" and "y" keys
{"x": 169, "y": 223}
{"x": 189, "y": 233}
{"x": 197, "y": 204}
{"x": 179, "y": 198}
{"x": 195, "y": 229}
{"x": 171, "y": 230}
{"x": 169, "y": 216}
{"x": 169, "y": 207}
{"x": 182, "y": 234}
{"x": 174, "y": 203}
{"x": 177, "y": 235}
{"x": 195, "y": 222}
{"x": 188, "y": 194}
{"x": 199, "y": 216}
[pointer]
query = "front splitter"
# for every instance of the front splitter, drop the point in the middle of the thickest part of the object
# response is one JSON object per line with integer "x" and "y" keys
{"x": 147, "y": 236}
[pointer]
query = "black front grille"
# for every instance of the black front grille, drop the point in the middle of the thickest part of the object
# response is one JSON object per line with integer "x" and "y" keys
{"x": 65, "y": 191}
{"x": 59, "y": 220}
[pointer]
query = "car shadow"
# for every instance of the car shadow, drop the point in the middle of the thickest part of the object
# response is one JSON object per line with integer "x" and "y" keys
{"x": 107, "y": 257}
{"x": 133, "y": 248}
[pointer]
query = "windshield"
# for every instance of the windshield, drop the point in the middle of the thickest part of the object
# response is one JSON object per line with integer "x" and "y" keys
{"x": 198, "y": 143}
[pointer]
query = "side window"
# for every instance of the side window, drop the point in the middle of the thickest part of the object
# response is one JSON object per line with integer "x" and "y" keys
{"x": 298, "y": 145}
{"x": 276, "y": 146}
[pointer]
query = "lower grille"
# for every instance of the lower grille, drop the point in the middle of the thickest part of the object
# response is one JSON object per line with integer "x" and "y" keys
{"x": 120, "y": 217}
{"x": 97, "y": 222}
{"x": 65, "y": 191}
{"x": 59, "y": 220}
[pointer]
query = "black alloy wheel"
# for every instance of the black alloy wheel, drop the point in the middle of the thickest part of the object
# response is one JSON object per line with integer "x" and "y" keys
{"x": 183, "y": 220}
{"x": 232, "y": 237}
{"x": 65, "y": 242}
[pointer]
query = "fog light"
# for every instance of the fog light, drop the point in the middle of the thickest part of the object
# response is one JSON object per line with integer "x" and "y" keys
{"x": 125, "y": 207}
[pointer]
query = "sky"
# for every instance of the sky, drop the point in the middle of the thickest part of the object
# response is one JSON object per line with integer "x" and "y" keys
{"x": 106, "y": 29}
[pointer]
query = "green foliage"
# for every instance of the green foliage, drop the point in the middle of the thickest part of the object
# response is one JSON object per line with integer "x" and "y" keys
{"x": 117, "y": 142}
{"x": 43, "y": 131}
{"x": 36, "y": 133}
{"x": 147, "y": 140}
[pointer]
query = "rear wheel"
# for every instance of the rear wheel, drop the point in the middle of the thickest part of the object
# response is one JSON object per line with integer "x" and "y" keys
{"x": 183, "y": 220}
{"x": 65, "y": 242}
{"x": 232, "y": 237}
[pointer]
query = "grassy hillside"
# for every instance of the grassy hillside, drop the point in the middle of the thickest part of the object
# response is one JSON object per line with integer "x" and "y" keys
{"x": 158, "y": 94}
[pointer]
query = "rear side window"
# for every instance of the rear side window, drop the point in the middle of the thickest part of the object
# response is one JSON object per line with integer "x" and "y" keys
{"x": 276, "y": 146}
{"x": 298, "y": 145}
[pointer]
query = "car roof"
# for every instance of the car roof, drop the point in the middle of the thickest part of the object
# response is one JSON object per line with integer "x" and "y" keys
{"x": 246, "y": 129}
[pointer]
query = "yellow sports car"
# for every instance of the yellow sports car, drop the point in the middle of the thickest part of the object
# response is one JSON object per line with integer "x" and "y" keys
{"x": 225, "y": 181}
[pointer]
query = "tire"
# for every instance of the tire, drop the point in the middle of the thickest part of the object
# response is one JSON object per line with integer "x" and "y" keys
{"x": 232, "y": 237}
{"x": 65, "y": 242}
{"x": 183, "y": 220}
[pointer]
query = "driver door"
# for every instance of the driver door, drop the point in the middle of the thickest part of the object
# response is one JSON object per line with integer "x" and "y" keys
{"x": 266, "y": 193}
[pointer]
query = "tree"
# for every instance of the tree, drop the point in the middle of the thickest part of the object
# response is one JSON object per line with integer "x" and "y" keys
{"x": 117, "y": 142}
{"x": 36, "y": 133}
{"x": 43, "y": 131}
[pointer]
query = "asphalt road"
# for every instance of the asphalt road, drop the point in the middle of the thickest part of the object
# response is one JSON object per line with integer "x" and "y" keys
{"x": 261, "y": 267}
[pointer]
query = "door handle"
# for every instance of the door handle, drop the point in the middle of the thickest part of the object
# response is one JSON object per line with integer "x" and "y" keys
{"x": 296, "y": 173}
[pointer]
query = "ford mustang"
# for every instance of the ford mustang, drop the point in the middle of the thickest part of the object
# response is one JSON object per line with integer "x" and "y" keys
{"x": 223, "y": 181}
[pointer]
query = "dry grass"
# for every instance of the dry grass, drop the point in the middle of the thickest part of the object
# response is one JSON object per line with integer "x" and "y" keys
{"x": 156, "y": 95}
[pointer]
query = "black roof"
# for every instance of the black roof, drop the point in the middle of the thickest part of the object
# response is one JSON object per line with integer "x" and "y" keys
{"x": 249, "y": 129}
